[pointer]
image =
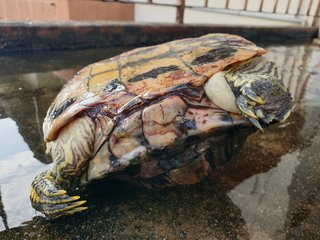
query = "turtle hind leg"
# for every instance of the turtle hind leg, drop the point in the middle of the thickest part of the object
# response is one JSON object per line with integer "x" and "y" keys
{"x": 47, "y": 197}
{"x": 70, "y": 152}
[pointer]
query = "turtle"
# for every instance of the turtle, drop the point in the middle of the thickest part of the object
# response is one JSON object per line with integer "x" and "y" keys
{"x": 162, "y": 115}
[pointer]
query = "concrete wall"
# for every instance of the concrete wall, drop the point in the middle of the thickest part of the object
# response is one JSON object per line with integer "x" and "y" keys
{"x": 160, "y": 14}
{"x": 62, "y": 10}
{"x": 148, "y": 13}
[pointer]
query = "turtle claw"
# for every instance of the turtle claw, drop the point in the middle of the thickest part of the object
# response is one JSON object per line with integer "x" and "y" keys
{"x": 58, "y": 193}
{"x": 247, "y": 112}
{"x": 255, "y": 123}
{"x": 250, "y": 105}
{"x": 53, "y": 202}
{"x": 245, "y": 107}
{"x": 70, "y": 212}
{"x": 252, "y": 95}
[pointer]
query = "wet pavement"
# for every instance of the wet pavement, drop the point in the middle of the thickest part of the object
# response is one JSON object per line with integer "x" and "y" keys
{"x": 269, "y": 191}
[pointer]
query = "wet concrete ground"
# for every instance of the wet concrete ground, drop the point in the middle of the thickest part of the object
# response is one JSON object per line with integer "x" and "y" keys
{"x": 269, "y": 191}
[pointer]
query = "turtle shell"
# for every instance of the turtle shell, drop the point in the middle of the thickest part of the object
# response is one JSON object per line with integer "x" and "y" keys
{"x": 134, "y": 78}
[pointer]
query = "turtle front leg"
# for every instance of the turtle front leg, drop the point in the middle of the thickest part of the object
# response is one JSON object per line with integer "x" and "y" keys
{"x": 71, "y": 152}
{"x": 250, "y": 105}
{"x": 48, "y": 197}
{"x": 259, "y": 92}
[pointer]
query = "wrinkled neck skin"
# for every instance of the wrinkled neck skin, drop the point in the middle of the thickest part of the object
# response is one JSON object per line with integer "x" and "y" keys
{"x": 252, "y": 88}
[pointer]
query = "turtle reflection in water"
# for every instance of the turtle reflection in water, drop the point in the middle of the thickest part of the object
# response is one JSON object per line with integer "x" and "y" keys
{"x": 157, "y": 116}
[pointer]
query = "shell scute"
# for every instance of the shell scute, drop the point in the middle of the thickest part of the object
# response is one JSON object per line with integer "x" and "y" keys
{"x": 127, "y": 135}
{"x": 160, "y": 122}
{"x": 140, "y": 55}
{"x": 104, "y": 66}
{"x": 99, "y": 82}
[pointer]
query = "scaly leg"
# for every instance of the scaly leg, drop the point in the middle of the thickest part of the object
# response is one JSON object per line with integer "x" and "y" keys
{"x": 259, "y": 91}
{"x": 71, "y": 152}
{"x": 47, "y": 197}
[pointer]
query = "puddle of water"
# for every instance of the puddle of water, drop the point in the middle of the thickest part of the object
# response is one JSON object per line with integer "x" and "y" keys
{"x": 17, "y": 169}
{"x": 264, "y": 199}
{"x": 269, "y": 191}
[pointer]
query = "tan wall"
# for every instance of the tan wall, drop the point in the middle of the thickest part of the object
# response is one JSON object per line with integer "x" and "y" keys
{"x": 64, "y": 10}
{"x": 34, "y": 9}
{"x": 91, "y": 10}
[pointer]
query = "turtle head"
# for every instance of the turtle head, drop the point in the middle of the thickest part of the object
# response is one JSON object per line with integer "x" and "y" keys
{"x": 252, "y": 88}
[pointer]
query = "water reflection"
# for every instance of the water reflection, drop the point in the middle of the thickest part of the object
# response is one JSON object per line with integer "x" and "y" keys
{"x": 3, "y": 214}
{"x": 17, "y": 169}
{"x": 265, "y": 199}
{"x": 258, "y": 178}
{"x": 303, "y": 221}
{"x": 25, "y": 97}
{"x": 269, "y": 191}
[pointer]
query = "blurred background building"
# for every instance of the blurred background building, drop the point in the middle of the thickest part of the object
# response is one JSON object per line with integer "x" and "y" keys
{"x": 235, "y": 12}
